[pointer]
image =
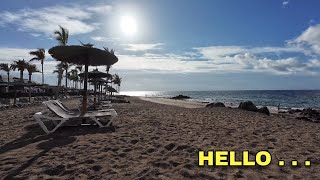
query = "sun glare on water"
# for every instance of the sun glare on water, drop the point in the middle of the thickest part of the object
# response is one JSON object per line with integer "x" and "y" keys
{"x": 128, "y": 25}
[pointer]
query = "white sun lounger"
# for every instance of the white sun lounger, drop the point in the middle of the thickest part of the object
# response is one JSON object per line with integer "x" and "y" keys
{"x": 62, "y": 115}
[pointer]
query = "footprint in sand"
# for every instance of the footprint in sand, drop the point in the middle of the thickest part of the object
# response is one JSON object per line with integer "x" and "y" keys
{"x": 151, "y": 150}
{"x": 127, "y": 150}
{"x": 135, "y": 141}
{"x": 170, "y": 146}
{"x": 163, "y": 165}
{"x": 272, "y": 139}
{"x": 96, "y": 167}
{"x": 89, "y": 161}
{"x": 55, "y": 171}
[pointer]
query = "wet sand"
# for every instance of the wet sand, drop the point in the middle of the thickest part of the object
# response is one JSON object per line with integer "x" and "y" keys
{"x": 156, "y": 141}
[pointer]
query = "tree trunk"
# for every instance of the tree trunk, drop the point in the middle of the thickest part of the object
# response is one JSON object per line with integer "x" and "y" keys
{"x": 21, "y": 75}
{"x": 60, "y": 71}
{"x": 66, "y": 78}
{"x": 8, "y": 80}
{"x": 42, "y": 73}
{"x": 84, "y": 102}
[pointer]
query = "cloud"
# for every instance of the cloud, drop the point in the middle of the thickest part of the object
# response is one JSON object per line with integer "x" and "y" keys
{"x": 309, "y": 40}
{"x": 241, "y": 62}
{"x": 103, "y": 39}
{"x": 12, "y": 54}
{"x": 219, "y": 53}
{"x": 285, "y": 3}
{"x": 8, "y": 55}
{"x": 103, "y": 9}
{"x": 47, "y": 19}
{"x": 143, "y": 47}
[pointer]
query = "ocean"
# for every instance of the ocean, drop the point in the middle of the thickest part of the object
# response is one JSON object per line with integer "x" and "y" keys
{"x": 270, "y": 98}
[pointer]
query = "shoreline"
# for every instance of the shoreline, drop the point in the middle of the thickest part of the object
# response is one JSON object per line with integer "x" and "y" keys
{"x": 174, "y": 102}
{"x": 194, "y": 104}
{"x": 272, "y": 99}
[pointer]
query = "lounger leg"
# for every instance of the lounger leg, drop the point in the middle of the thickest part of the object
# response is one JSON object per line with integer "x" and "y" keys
{"x": 97, "y": 121}
{"x": 38, "y": 118}
{"x": 109, "y": 123}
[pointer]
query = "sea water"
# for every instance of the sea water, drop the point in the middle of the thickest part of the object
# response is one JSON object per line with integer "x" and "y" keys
{"x": 270, "y": 98}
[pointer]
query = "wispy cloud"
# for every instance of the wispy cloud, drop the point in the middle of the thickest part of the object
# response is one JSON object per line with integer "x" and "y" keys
{"x": 309, "y": 40}
{"x": 285, "y": 3}
{"x": 8, "y": 55}
{"x": 104, "y": 39}
{"x": 143, "y": 47}
{"x": 45, "y": 20}
{"x": 101, "y": 9}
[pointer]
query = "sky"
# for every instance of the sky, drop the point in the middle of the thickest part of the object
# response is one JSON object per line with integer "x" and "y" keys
{"x": 177, "y": 44}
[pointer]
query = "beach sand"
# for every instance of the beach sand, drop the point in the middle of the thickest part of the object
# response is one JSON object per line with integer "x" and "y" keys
{"x": 156, "y": 141}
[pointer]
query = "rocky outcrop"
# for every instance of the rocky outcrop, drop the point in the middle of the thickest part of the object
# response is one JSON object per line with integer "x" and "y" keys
{"x": 264, "y": 110}
{"x": 249, "y": 106}
{"x": 181, "y": 97}
{"x": 218, "y": 104}
{"x": 310, "y": 115}
{"x": 293, "y": 111}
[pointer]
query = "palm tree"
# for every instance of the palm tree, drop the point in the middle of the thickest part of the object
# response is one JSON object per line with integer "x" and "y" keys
{"x": 65, "y": 67}
{"x": 21, "y": 65}
{"x": 6, "y": 67}
{"x": 59, "y": 71}
{"x": 80, "y": 68}
{"x": 117, "y": 80}
{"x": 62, "y": 36}
{"x": 112, "y": 52}
{"x": 31, "y": 68}
{"x": 39, "y": 56}
{"x": 74, "y": 76}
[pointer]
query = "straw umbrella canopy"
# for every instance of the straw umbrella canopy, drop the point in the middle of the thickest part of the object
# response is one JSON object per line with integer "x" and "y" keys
{"x": 95, "y": 82}
{"x": 110, "y": 89}
{"x": 94, "y": 76}
{"x": 22, "y": 84}
{"x": 83, "y": 55}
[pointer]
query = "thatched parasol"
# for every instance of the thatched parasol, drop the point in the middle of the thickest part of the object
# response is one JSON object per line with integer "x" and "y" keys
{"x": 96, "y": 81}
{"x": 96, "y": 74}
{"x": 83, "y": 55}
{"x": 94, "y": 77}
{"x": 22, "y": 84}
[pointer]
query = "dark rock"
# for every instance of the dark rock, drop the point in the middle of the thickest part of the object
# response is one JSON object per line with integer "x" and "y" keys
{"x": 310, "y": 115}
{"x": 264, "y": 110}
{"x": 309, "y": 112}
{"x": 181, "y": 97}
{"x": 218, "y": 104}
{"x": 248, "y": 105}
{"x": 293, "y": 111}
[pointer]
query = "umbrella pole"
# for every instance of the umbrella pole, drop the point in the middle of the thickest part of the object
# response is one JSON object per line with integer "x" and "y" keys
{"x": 95, "y": 95}
{"x": 85, "y": 88}
{"x": 29, "y": 94}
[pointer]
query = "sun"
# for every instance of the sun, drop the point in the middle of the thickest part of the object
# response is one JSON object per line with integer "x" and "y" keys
{"x": 128, "y": 25}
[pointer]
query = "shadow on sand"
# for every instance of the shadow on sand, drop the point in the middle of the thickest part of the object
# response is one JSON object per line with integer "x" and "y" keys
{"x": 61, "y": 137}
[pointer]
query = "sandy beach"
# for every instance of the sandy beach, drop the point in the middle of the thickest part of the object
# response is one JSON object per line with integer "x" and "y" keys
{"x": 156, "y": 141}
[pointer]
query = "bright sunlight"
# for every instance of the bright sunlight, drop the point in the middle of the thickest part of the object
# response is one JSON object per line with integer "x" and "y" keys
{"x": 128, "y": 25}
